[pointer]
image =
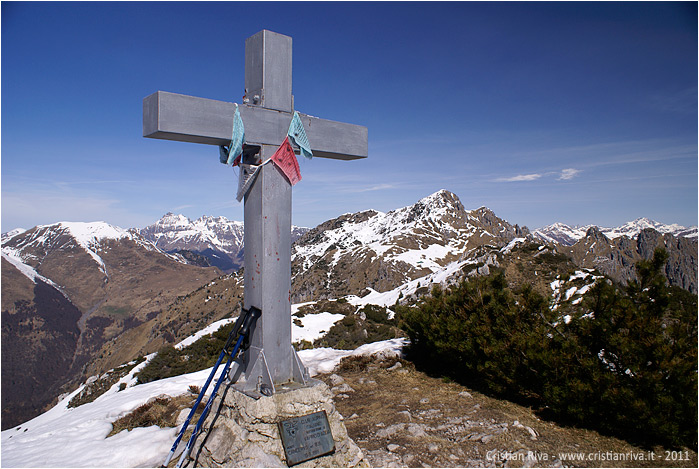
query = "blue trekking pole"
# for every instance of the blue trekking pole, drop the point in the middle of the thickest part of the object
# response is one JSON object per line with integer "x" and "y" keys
{"x": 224, "y": 352}
{"x": 250, "y": 318}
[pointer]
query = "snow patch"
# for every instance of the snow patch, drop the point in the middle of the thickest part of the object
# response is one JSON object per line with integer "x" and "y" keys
{"x": 511, "y": 245}
{"x": 313, "y": 326}
{"x": 210, "y": 329}
{"x": 13, "y": 257}
{"x": 77, "y": 437}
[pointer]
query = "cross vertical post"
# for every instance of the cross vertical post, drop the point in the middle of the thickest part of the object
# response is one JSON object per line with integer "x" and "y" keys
{"x": 270, "y": 363}
{"x": 270, "y": 359}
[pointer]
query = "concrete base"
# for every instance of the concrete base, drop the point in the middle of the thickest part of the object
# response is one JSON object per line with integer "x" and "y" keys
{"x": 244, "y": 432}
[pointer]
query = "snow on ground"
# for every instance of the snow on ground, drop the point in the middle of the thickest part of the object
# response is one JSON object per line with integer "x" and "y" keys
{"x": 324, "y": 360}
{"x": 511, "y": 245}
{"x": 12, "y": 256}
{"x": 210, "y": 329}
{"x": 427, "y": 257}
{"x": 77, "y": 437}
{"x": 557, "y": 288}
{"x": 390, "y": 297}
{"x": 314, "y": 326}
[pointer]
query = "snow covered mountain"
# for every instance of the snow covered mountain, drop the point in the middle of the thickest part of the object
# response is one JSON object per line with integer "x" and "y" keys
{"x": 94, "y": 295}
{"x": 67, "y": 289}
{"x": 383, "y": 250}
{"x": 92, "y": 238}
{"x": 11, "y": 234}
{"x": 218, "y": 239}
{"x": 560, "y": 233}
{"x": 615, "y": 251}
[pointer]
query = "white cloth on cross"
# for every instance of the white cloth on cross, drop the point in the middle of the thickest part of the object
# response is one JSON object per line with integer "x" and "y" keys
{"x": 248, "y": 173}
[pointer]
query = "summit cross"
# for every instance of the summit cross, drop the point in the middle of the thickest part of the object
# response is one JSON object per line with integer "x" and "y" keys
{"x": 270, "y": 363}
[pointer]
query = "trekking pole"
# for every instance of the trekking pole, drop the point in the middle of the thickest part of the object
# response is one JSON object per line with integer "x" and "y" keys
{"x": 223, "y": 353}
{"x": 250, "y": 318}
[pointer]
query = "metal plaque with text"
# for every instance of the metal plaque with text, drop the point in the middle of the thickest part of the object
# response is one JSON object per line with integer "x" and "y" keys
{"x": 306, "y": 437}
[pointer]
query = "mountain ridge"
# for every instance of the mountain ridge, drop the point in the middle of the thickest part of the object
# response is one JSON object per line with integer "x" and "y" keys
{"x": 560, "y": 233}
{"x": 216, "y": 238}
{"x": 132, "y": 296}
{"x": 378, "y": 250}
{"x": 67, "y": 289}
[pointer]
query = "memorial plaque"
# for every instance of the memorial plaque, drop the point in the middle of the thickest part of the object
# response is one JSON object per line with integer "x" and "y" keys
{"x": 306, "y": 437}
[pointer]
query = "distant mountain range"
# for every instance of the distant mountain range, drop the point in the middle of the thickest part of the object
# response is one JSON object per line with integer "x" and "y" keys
{"x": 384, "y": 250}
{"x": 560, "y": 233}
{"x": 81, "y": 298}
{"x": 216, "y": 239}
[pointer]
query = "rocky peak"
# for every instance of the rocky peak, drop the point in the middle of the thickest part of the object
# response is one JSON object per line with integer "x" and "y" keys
{"x": 443, "y": 199}
{"x": 169, "y": 221}
{"x": 496, "y": 226}
{"x": 617, "y": 257}
{"x": 594, "y": 233}
{"x": 440, "y": 206}
{"x": 381, "y": 250}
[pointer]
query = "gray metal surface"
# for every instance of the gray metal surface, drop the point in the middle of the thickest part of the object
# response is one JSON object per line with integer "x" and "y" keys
{"x": 268, "y": 65}
{"x": 267, "y": 274}
{"x": 172, "y": 116}
{"x": 270, "y": 360}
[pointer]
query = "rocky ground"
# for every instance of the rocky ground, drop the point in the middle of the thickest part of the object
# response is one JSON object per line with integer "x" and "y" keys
{"x": 401, "y": 417}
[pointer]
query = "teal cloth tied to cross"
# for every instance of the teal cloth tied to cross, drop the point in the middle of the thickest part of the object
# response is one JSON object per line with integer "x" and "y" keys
{"x": 235, "y": 149}
{"x": 297, "y": 134}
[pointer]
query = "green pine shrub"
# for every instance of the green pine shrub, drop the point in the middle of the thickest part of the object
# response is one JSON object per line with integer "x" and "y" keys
{"x": 626, "y": 363}
{"x": 200, "y": 355}
{"x": 352, "y": 331}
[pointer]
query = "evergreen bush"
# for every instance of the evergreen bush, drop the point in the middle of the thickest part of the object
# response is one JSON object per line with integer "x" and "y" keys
{"x": 625, "y": 364}
{"x": 352, "y": 331}
{"x": 200, "y": 355}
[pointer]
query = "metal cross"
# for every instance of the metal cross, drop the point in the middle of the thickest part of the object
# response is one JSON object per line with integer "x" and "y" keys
{"x": 270, "y": 362}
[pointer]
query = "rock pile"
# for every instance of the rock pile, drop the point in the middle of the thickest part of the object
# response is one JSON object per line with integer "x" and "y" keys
{"x": 244, "y": 431}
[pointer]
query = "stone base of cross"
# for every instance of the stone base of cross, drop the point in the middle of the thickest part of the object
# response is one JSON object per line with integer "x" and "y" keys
{"x": 270, "y": 363}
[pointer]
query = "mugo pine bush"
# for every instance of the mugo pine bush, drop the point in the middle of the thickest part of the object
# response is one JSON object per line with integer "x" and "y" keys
{"x": 625, "y": 364}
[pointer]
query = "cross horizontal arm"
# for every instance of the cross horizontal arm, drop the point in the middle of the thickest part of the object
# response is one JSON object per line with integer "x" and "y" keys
{"x": 171, "y": 116}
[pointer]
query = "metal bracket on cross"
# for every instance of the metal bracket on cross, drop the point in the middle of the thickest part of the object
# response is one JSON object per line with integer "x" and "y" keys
{"x": 270, "y": 362}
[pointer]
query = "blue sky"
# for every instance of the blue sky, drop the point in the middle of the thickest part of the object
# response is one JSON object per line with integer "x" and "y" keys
{"x": 544, "y": 112}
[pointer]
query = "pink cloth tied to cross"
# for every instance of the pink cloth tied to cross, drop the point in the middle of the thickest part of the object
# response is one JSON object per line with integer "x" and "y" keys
{"x": 285, "y": 159}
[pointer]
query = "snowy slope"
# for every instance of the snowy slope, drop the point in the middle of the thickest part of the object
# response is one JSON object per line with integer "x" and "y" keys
{"x": 30, "y": 245}
{"x": 384, "y": 250}
{"x": 11, "y": 234}
{"x": 76, "y": 437}
{"x": 28, "y": 271}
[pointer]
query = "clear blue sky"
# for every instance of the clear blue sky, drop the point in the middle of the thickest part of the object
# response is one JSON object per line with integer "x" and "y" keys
{"x": 544, "y": 112}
